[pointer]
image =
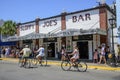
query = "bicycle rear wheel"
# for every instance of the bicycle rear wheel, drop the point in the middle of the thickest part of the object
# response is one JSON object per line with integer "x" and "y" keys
{"x": 34, "y": 61}
{"x": 82, "y": 66}
{"x": 44, "y": 61}
{"x": 20, "y": 63}
{"x": 65, "y": 65}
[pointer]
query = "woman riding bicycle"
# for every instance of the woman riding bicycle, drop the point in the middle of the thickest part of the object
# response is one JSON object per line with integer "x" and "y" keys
{"x": 75, "y": 56}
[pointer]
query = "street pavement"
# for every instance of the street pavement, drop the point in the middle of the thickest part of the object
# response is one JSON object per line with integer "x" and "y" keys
{"x": 12, "y": 71}
{"x": 91, "y": 65}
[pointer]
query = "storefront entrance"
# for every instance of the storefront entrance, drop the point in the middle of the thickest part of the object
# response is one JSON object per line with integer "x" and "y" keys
{"x": 50, "y": 46}
{"x": 51, "y": 49}
{"x": 83, "y": 49}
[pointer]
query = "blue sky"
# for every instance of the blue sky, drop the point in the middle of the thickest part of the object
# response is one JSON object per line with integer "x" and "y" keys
{"x": 28, "y": 10}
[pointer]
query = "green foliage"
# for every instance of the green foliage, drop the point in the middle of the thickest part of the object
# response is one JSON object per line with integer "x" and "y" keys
{"x": 8, "y": 28}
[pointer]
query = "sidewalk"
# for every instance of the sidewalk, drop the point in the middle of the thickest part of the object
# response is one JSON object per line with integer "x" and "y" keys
{"x": 58, "y": 63}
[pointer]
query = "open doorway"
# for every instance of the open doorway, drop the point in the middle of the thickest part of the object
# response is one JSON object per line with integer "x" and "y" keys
{"x": 51, "y": 50}
{"x": 83, "y": 49}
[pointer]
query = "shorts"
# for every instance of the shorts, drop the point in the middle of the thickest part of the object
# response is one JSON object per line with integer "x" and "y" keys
{"x": 74, "y": 57}
{"x": 102, "y": 54}
{"x": 39, "y": 55}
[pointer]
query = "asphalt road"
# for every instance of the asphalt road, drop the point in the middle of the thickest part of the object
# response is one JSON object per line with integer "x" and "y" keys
{"x": 11, "y": 71}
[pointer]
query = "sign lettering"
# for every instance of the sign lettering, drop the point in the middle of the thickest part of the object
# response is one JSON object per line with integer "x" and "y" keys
{"x": 50, "y": 23}
{"x": 81, "y": 18}
{"x": 26, "y": 27}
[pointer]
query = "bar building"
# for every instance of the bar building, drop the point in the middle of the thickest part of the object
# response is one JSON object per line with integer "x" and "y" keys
{"x": 87, "y": 29}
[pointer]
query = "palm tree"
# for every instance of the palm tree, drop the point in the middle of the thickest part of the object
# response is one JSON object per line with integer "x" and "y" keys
{"x": 0, "y": 29}
{"x": 8, "y": 28}
{"x": 0, "y": 32}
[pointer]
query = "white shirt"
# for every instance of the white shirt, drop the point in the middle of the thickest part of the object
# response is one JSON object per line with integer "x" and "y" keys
{"x": 103, "y": 51}
{"x": 41, "y": 51}
{"x": 76, "y": 54}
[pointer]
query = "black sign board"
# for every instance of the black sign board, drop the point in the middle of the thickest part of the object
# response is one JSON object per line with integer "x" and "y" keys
{"x": 50, "y": 40}
{"x": 82, "y": 37}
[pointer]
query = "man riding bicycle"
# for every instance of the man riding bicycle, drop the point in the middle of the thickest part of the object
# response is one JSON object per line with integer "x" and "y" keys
{"x": 25, "y": 53}
{"x": 41, "y": 53}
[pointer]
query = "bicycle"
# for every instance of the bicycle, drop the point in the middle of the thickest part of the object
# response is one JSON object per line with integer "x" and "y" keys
{"x": 24, "y": 62}
{"x": 113, "y": 60}
{"x": 36, "y": 62}
{"x": 79, "y": 65}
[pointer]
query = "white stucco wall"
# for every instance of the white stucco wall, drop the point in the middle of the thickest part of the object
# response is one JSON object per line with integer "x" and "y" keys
{"x": 50, "y": 25}
{"x": 83, "y": 20}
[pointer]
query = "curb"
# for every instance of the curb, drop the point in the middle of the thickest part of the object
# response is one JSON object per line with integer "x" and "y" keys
{"x": 90, "y": 66}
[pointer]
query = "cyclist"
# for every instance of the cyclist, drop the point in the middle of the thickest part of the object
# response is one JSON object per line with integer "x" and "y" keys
{"x": 26, "y": 53}
{"x": 40, "y": 53}
{"x": 75, "y": 56}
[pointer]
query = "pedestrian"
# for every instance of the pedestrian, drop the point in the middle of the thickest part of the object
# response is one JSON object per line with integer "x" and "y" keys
{"x": 0, "y": 52}
{"x": 118, "y": 52}
{"x": 17, "y": 52}
{"x": 102, "y": 55}
{"x": 107, "y": 51}
{"x": 63, "y": 53}
{"x": 95, "y": 56}
{"x": 99, "y": 52}
{"x": 3, "y": 52}
{"x": 7, "y": 52}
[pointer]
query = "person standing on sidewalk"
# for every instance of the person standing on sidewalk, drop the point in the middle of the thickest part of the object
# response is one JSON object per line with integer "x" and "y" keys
{"x": 107, "y": 52}
{"x": 63, "y": 53}
{"x": 95, "y": 56}
{"x": 7, "y": 52}
{"x": 118, "y": 52}
{"x": 102, "y": 55}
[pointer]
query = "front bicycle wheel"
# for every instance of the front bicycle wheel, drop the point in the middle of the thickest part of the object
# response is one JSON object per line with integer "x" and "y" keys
{"x": 27, "y": 64}
{"x": 65, "y": 65}
{"x": 82, "y": 66}
{"x": 20, "y": 62}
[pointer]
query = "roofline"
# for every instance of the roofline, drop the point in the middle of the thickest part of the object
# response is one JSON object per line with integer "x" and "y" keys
{"x": 65, "y": 13}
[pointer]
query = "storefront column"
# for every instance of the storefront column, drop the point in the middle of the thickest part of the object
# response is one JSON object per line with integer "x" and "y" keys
{"x": 33, "y": 44}
{"x": 21, "y": 44}
{"x": 96, "y": 41}
{"x": 40, "y": 42}
{"x": 90, "y": 50}
{"x": 59, "y": 44}
{"x": 69, "y": 44}
{"x": 56, "y": 50}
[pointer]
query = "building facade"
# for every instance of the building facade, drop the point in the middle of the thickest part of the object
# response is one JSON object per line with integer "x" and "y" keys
{"x": 87, "y": 29}
{"x": 118, "y": 19}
